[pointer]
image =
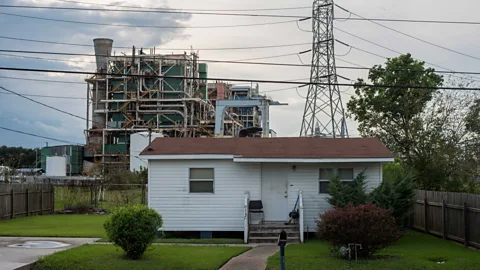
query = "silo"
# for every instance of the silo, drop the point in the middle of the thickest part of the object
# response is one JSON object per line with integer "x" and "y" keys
{"x": 103, "y": 49}
{"x": 56, "y": 166}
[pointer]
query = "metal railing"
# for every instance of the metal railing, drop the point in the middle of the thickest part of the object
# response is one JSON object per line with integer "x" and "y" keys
{"x": 300, "y": 210}
{"x": 246, "y": 216}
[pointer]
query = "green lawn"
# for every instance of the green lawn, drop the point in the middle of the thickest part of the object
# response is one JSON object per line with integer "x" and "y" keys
{"x": 55, "y": 226}
{"x": 157, "y": 257}
{"x": 414, "y": 251}
{"x": 80, "y": 226}
{"x": 220, "y": 241}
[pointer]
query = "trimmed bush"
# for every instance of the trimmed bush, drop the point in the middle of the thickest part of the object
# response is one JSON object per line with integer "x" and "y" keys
{"x": 346, "y": 193}
{"x": 371, "y": 226}
{"x": 133, "y": 229}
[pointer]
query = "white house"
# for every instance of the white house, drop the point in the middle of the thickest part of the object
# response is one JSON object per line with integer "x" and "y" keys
{"x": 204, "y": 184}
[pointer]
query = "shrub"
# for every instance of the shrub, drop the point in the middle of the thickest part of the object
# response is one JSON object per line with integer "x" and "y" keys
{"x": 396, "y": 196}
{"x": 133, "y": 228}
{"x": 371, "y": 226}
{"x": 345, "y": 193}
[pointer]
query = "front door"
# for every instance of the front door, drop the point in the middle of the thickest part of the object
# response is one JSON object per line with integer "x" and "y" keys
{"x": 274, "y": 191}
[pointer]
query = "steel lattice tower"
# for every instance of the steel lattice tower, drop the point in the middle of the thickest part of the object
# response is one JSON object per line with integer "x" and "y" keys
{"x": 324, "y": 114}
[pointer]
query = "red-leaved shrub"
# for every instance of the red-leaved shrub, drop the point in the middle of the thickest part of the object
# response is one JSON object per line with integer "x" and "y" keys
{"x": 372, "y": 227}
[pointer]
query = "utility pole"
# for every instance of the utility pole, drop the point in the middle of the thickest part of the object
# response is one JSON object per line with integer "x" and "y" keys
{"x": 324, "y": 114}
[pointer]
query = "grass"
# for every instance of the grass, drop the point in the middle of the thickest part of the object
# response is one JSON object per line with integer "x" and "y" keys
{"x": 220, "y": 241}
{"x": 55, "y": 226}
{"x": 414, "y": 251}
{"x": 81, "y": 226}
{"x": 157, "y": 257}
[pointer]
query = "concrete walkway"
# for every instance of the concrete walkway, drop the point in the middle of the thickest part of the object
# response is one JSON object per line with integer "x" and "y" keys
{"x": 254, "y": 259}
{"x": 19, "y": 257}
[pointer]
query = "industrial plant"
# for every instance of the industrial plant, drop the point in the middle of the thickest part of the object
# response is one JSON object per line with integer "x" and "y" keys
{"x": 137, "y": 96}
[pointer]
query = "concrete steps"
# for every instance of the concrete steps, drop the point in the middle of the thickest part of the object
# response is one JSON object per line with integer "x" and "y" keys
{"x": 269, "y": 232}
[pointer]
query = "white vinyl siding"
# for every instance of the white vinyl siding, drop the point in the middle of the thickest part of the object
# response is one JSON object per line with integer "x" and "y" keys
{"x": 168, "y": 194}
{"x": 305, "y": 177}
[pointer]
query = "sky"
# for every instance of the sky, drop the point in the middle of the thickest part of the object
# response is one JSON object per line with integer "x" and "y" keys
{"x": 24, "y": 115}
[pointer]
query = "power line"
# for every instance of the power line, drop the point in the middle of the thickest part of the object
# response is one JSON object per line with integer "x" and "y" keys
{"x": 151, "y": 8}
{"x": 45, "y": 96}
{"x": 44, "y": 58}
{"x": 409, "y": 20}
{"x": 244, "y": 61}
{"x": 413, "y": 37}
{"x": 40, "y": 80}
{"x": 237, "y": 80}
{"x": 48, "y": 106}
{"x": 155, "y": 11}
{"x": 43, "y": 104}
{"x": 159, "y": 48}
{"x": 146, "y": 26}
{"x": 400, "y": 53}
{"x": 38, "y": 136}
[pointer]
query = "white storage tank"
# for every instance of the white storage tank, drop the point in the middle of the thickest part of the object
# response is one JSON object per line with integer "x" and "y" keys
{"x": 138, "y": 142}
{"x": 56, "y": 166}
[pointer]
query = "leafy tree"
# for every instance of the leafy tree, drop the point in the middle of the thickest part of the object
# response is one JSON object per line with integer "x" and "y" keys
{"x": 393, "y": 113}
{"x": 347, "y": 193}
{"x": 473, "y": 118}
{"x": 424, "y": 127}
{"x": 18, "y": 157}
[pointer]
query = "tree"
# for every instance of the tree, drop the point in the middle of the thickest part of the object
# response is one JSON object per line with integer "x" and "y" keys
{"x": 347, "y": 193}
{"x": 392, "y": 113}
{"x": 425, "y": 128}
{"x": 473, "y": 118}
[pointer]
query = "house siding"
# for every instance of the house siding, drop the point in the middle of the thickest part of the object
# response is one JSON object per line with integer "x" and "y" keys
{"x": 305, "y": 178}
{"x": 168, "y": 194}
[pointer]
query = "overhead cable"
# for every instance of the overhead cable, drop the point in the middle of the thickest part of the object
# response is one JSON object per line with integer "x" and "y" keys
{"x": 154, "y": 11}
{"x": 160, "y": 48}
{"x": 236, "y": 80}
{"x": 244, "y": 61}
{"x": 146, "y": 26}
{"x": 38, "y": 136}
{"x": 414, "y": 37}
{"x": 46, "y": 96}
{"x": 41, "y": 80}
{"x": 159, "y": 8}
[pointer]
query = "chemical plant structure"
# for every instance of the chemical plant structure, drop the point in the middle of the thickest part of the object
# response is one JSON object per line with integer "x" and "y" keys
{"x": 143, "y": 95}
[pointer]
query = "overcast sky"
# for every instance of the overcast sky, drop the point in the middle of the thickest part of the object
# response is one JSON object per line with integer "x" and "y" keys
{"x": 21, "y": 114}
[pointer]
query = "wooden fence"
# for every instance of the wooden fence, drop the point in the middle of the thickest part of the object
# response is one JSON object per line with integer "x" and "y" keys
{"x": 454, "y": 216}
{"x": 20, "y": 200}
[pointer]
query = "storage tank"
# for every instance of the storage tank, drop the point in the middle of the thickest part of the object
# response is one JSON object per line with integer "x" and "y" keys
{"x": 56, "y": 166}
{"x": 138, "y": 142}
{"x": 103, "y": 49}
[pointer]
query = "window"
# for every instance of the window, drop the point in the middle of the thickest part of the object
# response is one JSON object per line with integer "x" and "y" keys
{"x": 201, "y": 180}
{"x": 325, "y": 174}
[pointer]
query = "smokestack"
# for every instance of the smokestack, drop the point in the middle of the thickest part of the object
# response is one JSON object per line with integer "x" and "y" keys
{"x": 103, "y": 49}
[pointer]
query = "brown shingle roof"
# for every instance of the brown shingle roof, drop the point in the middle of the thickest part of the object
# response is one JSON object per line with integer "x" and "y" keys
{"x": 272, "y": 147}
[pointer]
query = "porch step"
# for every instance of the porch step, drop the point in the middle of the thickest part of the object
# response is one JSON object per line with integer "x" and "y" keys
{"x": 271, "y": 240}
{"x": 269, "y": 232}
{"x": 276, "y": 227}
{"x": 273, "y": 234}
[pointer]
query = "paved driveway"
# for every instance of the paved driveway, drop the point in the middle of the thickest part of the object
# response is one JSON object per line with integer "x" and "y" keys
{"x": 13, "y": 258}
